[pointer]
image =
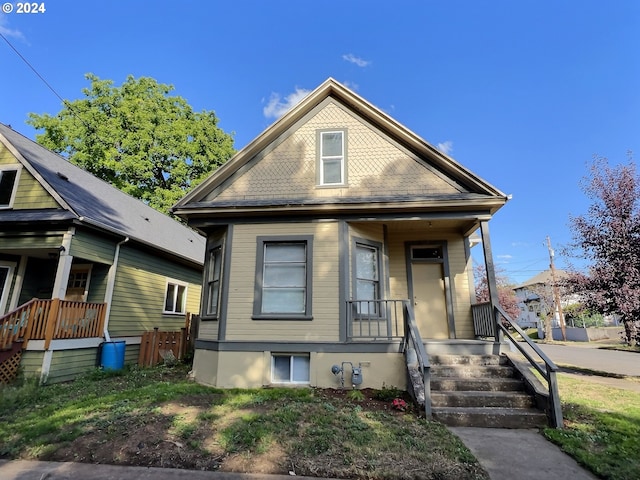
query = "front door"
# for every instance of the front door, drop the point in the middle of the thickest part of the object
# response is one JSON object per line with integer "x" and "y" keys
{"x": 429, "y": 294}
{"x": 78, "y": 286}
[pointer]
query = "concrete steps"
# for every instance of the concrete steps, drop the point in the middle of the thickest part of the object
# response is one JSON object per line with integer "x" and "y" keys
{"x": 481, "y": 391}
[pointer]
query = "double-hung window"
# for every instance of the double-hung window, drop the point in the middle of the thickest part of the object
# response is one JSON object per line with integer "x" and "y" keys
{"x": 213, "y": 278}
{"x": 367, "y": 277}
{"x": 331, "y": 164}
{"x": 283, "y": 278}
{"x": 8, "y": 184}
{"x": 175, "y": 297}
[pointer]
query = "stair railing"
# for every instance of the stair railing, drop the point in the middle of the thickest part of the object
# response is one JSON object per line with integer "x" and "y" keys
{"x": 548, "y": 372}
{"x": 412, "y": 342}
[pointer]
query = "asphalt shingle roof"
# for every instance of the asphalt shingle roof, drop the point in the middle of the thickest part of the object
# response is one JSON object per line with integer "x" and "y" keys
{"x": 96, "y": 202}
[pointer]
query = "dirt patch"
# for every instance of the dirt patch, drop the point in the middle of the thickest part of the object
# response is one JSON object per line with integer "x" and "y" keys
{"x": 174, "y": 435}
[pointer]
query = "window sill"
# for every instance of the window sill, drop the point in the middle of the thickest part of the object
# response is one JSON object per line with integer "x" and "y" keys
{"x": 332, "y": 185}
{"x": 285, "y": 317}
{"x": 174, "y": 314}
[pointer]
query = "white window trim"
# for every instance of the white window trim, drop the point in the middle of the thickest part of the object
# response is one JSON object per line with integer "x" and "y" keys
{"x": 173, "y": 281}
{"x": 18, "y": 169}
{"x": 10, "y": 266}
{"x": 291, "y": 356}
{"x": 342, "y": 158}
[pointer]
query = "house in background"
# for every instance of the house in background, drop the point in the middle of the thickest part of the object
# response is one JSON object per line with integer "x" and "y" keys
{"x": 82, "y": 262}
{"x": 535, "y": 299}
{"x": 324, "y": 235}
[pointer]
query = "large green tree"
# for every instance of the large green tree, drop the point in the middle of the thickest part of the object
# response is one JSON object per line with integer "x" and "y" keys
{"x": 137, "y": 137}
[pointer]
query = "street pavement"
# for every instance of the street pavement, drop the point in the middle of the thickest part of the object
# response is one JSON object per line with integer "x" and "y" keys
{"x": 589, "y": 355}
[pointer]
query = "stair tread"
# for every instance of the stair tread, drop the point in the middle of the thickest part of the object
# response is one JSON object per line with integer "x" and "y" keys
{"x": 481, "y": 393}
{"x": 490, "y": 411}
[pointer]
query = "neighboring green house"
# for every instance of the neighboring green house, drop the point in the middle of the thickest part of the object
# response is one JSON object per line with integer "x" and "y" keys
{"x": 66, "y": 235}
{"x": 326, "y": 234}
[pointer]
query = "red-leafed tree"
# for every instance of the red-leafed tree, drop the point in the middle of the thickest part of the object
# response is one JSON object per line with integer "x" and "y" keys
{"x": 608, "y": 236}
{"x": 506, "y": 296}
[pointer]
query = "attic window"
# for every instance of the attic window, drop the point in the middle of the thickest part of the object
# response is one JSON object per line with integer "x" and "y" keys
{"x": 331, "y": 158}
{"x": 8, "y": 184}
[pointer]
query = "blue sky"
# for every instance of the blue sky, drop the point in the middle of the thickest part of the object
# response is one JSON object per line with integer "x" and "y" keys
{"x": 523, "y": 93}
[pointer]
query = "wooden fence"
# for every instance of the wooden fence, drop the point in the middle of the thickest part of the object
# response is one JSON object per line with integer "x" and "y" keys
{"x": 157, "y": 347}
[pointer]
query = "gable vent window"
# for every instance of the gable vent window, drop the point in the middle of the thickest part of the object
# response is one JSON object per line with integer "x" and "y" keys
{"x": 8, "y": 183}
{"x": 331, "y": 164}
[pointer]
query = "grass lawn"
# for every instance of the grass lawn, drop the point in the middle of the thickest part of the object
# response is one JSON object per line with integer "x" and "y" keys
{"x": 156, "y": 417}
{"x": 602, "y": 428}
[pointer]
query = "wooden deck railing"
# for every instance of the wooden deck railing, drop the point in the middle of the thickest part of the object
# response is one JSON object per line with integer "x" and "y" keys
{"x": 51, "y": 320}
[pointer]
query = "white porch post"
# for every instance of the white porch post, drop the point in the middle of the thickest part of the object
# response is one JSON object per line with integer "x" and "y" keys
{"x": 491, "y": 278}
{"x": 64, "y": 266}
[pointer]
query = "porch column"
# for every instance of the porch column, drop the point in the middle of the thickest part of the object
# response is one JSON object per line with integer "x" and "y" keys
{"x": 64, "y": 266}
{"x": 491, "y": 278}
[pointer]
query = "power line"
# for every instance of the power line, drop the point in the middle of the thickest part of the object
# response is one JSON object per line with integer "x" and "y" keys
{"x": 32, "y": 68}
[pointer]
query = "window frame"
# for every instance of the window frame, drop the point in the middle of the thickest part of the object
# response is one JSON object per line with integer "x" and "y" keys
{"x": 14, "y": 187}
{"x": 321, "y": 158}
{"x": 6, "y": 287}
{"x": 217, "y": 246}
{"x": 176, "y": 283}
{"x": 377, "y": 246}
{"x": 291, "y": 357}
{"x": 261, "y": 242}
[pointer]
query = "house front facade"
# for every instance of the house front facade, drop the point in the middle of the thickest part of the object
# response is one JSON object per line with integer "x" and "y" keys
{"x": 324, "y": 236}
{"x": 82, "y": 263}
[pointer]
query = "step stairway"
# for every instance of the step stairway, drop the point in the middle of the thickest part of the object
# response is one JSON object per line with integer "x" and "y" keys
{"x": 481, "y": 391}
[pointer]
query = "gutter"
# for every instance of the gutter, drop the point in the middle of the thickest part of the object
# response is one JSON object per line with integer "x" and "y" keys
{"x": 111, "y": 281}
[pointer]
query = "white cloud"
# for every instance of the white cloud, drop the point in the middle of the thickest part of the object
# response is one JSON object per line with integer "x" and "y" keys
{"x": 445, "y": 147}
{"x": 8, "y": 32}
{"x": 276, "y": 106}
{"x": 352, "y": 85}
{"x": 351, "y": 58}
{"x": 504, "y": 257}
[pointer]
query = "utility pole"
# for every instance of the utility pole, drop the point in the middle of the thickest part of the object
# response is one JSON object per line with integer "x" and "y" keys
{"x": 556, "y": 294}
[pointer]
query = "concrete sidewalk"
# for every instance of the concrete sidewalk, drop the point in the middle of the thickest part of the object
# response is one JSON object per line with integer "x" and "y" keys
{"x": 519, "y": 454}
{"x": 30, "y": 470}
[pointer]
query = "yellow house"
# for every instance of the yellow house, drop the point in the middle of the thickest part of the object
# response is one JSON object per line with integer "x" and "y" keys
{"x": 338, "y": 255}
{"x": 320, "y": 232}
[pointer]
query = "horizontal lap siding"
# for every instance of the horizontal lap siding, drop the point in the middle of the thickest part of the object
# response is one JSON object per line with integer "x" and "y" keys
{"x": 92, "y": 247}
{"x": 68, "y": 364}
{"x": 325, "y": 307}
{"x": 139, "y": 292}
{"x": 31, "y": 363}
{"x": 30, "y": 193}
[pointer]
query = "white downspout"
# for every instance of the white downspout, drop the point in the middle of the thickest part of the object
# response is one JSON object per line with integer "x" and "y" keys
{"x": 111, "y": 281}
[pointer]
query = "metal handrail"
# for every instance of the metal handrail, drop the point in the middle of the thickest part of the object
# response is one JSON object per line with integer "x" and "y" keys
{"x": 548, "y": 373}
{"x": 412, "y": 335}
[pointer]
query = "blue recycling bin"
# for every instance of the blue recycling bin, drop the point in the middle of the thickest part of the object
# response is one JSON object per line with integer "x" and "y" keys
{"x": 112, "y": 355}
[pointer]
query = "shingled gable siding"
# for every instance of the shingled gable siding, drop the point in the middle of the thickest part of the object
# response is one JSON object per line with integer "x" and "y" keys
{"x": 30, "y": 194}
{"x": 376, "y": 166}
{"x": 138, "y": 297}
{"x": 325, "y": 285}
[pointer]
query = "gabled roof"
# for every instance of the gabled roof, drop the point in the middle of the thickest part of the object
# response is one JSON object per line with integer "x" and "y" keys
{"x": 477, "y": 191}
{"x": 91, "y": 201}
{"x": 543, "y": 278}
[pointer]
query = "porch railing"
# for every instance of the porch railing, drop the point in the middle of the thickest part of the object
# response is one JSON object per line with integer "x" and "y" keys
{"x": 417, "y": 359}
{"x": 485, "y": 322}
{"x": 51, "y": 320}
{"x": 375, "y": 320}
